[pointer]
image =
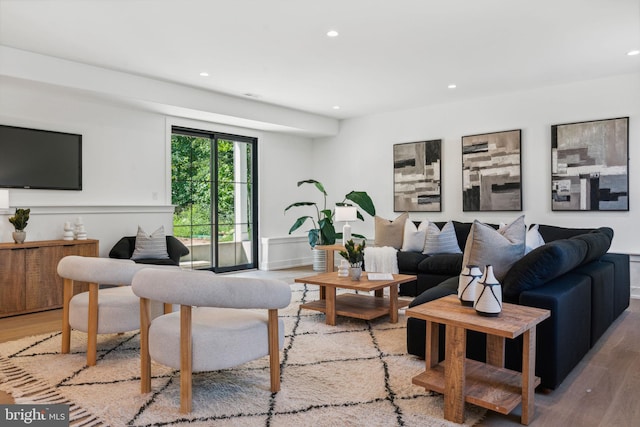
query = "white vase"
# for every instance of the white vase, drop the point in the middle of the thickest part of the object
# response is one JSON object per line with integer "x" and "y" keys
{"x": 467, "y": 283}
{"x": 19, "y": 236}
{"x": 355, "y": 272}
{"x": 488, "y": 294}
{"x": 343, "y": 268}
{"x": 319, "y": 260}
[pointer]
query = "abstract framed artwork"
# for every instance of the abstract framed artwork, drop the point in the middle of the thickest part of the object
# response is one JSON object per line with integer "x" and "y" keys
{"x": 491, "y": 172}
{"x": 590, "y": 165}
{"x": 416, "y": 176}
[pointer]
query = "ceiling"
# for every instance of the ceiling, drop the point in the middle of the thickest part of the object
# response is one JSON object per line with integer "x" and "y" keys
{"x": 389, "y": 55}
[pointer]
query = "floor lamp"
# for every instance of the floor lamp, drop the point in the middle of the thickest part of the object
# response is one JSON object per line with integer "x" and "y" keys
{"x": 346, "y": 214}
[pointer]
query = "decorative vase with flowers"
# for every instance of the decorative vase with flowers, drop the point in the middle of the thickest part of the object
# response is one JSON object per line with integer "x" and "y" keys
{"x": 354, "y": 254}
{"x": 19, "y": 221}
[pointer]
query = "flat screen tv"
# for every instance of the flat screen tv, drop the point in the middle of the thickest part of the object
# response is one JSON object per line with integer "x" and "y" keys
{"x": 40, "y": 159}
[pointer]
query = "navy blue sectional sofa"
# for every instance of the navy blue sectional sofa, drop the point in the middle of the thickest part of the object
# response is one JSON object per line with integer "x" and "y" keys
{"x": 572, "y": 275}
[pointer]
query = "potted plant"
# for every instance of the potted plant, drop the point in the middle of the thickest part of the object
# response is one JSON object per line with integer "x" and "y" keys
{"x": 354, "y": 254}
{"x": 19, "y": 221}
{"x": 323, "y": 231}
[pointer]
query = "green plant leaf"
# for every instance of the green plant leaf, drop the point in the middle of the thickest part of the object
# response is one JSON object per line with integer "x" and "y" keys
{"x": 314, "y": 236}
{"x": 318, "y": 185}
{"x": 327, "y": 231}
{"x": 363, "y": 200}
{"x": 299, "y": 223}
{"x": 292, "y": 205}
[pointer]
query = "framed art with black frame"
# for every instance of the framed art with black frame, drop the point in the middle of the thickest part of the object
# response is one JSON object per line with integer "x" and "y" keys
{"x": 590, "y": 165}
{"x": 491, "y": 172}
{"x": 416, "y": 176}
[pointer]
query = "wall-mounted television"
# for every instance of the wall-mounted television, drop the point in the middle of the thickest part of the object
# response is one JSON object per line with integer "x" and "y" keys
{"x": 40, "y": 159}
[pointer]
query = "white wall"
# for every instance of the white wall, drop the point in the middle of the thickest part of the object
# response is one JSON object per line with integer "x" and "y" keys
{"x": 126, "y": 159}
{"x": 361, "y": 155}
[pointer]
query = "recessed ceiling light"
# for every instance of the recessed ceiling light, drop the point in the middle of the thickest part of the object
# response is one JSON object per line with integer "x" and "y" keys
{"x": 332, "y": 33}
{"x": 452, "y": 86}
{"x": 633, "y": 52}
{"x": 204, "y": 74}
{"x": 336, "y": 107}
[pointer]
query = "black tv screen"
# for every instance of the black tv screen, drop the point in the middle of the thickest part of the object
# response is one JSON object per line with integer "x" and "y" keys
{"x": 34, "y": 158}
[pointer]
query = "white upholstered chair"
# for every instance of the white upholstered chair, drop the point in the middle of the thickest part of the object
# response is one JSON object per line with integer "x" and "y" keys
{"x": 217, "y": 326}
{"x": 100, "y": 311}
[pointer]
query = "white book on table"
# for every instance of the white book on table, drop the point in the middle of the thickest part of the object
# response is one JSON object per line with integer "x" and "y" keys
{"x": 379, "y": 276}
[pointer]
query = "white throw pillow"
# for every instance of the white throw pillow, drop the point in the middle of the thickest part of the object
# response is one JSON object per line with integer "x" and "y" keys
{"x": 500, "y": 248}
{"x": 442, "y": 241}
{"x": 413, "y": 240}
{"x": 533, "y": 239}
{"x": 152, "y": 246}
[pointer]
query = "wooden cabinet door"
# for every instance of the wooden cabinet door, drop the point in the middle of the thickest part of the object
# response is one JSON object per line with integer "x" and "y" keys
{"x": 12, "y": 281}
{"x": 43, "y": 286}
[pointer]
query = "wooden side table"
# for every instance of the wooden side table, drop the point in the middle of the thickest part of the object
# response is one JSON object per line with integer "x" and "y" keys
{"x": 330, "y": 265}
{"x": 463, "y": 380}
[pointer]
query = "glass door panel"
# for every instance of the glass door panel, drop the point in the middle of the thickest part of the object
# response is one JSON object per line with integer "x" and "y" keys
{"x": 212, "y": 189}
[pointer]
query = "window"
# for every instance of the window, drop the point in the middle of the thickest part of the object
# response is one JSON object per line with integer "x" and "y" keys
{"x": 213, "y": 186}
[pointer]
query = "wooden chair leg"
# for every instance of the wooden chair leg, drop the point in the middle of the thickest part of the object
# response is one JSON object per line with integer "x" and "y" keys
{"x": 145, "y": 358}
{"x": 92, "y": 334}
{"x": 168, "y": 308}
{"x": 185, "y": 359}
{"x": 274, "y": 350}
{"x": 67, "y": 294}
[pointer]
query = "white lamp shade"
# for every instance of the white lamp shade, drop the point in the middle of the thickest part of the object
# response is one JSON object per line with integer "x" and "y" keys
{"x": 346, "y": 213}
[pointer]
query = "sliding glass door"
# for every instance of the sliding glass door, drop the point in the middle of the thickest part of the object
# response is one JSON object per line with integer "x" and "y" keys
{"x": 213, "y": 186}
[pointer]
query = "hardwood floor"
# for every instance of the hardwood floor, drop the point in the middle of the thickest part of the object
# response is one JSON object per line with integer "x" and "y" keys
{"x": 601, "y": 391}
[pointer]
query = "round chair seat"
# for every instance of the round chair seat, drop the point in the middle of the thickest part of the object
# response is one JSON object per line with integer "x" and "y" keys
{"x": 118, "y": 311}
{"x": 221, "y": 338}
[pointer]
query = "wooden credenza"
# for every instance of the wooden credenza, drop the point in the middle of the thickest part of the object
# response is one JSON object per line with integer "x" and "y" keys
{"x": 29, "y": 281}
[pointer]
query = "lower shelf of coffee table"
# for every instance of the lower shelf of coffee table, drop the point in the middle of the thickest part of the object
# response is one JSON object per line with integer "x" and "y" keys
{"x": 497, "y": 389}
{"x": 359, "y": 306}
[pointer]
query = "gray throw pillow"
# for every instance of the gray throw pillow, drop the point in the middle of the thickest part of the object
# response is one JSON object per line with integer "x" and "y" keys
{"x": 153, "y": 246}
{"x": 499, "y": 248}
{"x": 390, "y": 233}
{"x": 442, "y": 241}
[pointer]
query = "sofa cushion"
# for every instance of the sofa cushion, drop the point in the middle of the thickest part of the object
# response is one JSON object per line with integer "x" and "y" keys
{"x": 408, "y": 261}
{"x": 414, "y": 236}
{"x": 551, "y": 232}
{"x": 440, "y": 241}
{"x": 462, "y": 232}
{"x": 449, "y": 264}
{"x": 598, "y": 243}
{"x": 499, "y": 248}
{"x": 542, "y": 265}
{"x": 390, "y": 233}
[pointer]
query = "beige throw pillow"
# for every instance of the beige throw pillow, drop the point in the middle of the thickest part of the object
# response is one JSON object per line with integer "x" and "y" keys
{"x": 500, "y": 248}
{"x": 390, "y": 233}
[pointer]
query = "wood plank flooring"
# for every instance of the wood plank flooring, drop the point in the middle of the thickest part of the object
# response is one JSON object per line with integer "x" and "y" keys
{"x": 603, "y": 390}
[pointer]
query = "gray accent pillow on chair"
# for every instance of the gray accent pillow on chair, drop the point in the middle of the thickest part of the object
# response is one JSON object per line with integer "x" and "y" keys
{"x": 152, "y": 246}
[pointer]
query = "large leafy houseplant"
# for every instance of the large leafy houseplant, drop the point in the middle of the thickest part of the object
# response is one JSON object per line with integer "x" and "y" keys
{"x": 323, "y": 231}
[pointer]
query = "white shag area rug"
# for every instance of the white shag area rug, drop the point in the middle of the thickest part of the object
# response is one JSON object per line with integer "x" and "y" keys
{"x": 354, "y": 374}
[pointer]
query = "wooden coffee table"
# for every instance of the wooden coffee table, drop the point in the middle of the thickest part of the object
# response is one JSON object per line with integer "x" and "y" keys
{"x": 360, "y": 306}
{"x": 460, "y": 379}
